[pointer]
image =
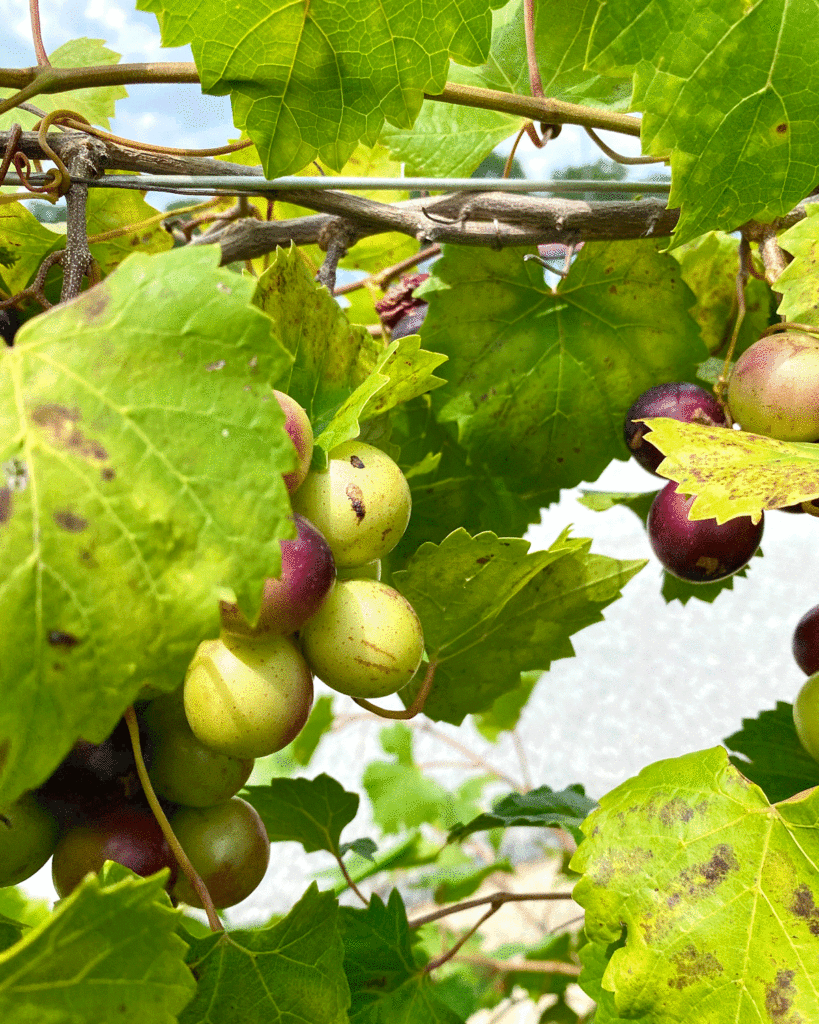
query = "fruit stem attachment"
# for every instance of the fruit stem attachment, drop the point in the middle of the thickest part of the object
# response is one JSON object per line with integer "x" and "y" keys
{"x": 184, "y": 861}
{"x": 790, "y": 325}
{"x": 415, "y": 708}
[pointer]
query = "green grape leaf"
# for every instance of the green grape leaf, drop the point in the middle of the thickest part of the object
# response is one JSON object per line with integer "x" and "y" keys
{"x": 451, "y": 140}
{"x": 733, "y": 472}
{"x": 772, "y": 755}
{"x": 451, "y": 885}
{"x": 312, "y": 812}
{"x": 141, "y": 454}
{"x": 21, "y": 908}
{"x": 10, "y": 932}
{"x": 365, "y": 848}
{"x": 798, "y": 282}
{"x": 410, "y": 852}
{"x": 539, "y": 808}
{"x": 594, "y": 957}
{"x": 709, "y": 268}
{"x": 24, "y": 244}
{"x": 386, "y": 984}
{"x": 505, "y": 712}
{"x": 83, "y": 964}
{"x": 96, "y": 104}
{"x": 403, "y": 372}
{"x": 740, "y": 133}
{"x": 673, "y": 589}
{"x": 291, "y": 970}
{"x": 110, "y": 210}
{"x": 318, "y": 724}
{"x": 368, "y": 65}
{"x": 490, "y": 610}
{"x": 539, "y": 382}
{"x": 400, "y": 794}
{"x": 700, "y": 876}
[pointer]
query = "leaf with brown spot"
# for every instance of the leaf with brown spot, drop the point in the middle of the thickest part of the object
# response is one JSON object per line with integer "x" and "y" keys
{"x": 732, "y": 472}
{"x": 732, "y": 881}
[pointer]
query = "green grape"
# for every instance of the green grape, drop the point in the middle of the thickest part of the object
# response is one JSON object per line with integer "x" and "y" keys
{"x": 28, "y": 836}
{"x": 806, "y": 715}
{"x": 227, "y": 845}
{"x": 297, "y": 424}
{"x": 360, "y": 502}
{"x": 185, "y": 771}
{"x": 367, "y": 571}
{"x": 247, "y": 697}
{"x": 366, "y": 641}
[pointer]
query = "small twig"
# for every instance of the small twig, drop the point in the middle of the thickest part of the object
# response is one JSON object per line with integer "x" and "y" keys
{"x": 497, "y": 898}
{"x": 14, "y": 138}
{"x": 532, "y": 966}
{"x": 37, "y": 35}
{"x": 383, "y": 278}
{"x": 474, "y": 758}
{"x": 336, "y": 251}
{"x": 450, "y": 953}
{"x": 414, "y": 709}
{"x": 350, "y": 882}
{"x": 618, "y": 157}
{"x": 535, "y": 82}
{"x": 184, "y": 861}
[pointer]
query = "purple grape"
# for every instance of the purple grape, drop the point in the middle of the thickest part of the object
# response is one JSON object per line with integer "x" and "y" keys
{"x": 94, "y": 778}
{"x": 805, "y": 642}
{"x": 684, "y": 402}
{"x": 307, "y": 576}
{"x": 699, "y": 550}
{"x": 9, "y": 324}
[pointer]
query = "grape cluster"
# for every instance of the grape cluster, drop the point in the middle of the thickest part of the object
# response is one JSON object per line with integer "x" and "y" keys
{"x": 246, "y": 694}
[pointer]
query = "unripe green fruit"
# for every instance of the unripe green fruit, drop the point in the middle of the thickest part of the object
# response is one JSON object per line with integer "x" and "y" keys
{"x": 774, "y": 387}
{"x": 28, "y": 835}
{"x": 367, "y": 571}
{"x": 185, "y": 771}
{"x": 247, "y": 698}
{"x": 361, "y": 503}
{"x": 366, "y": 641}
{"x": 806, "y": 715}
{"x": 227, "y": 845}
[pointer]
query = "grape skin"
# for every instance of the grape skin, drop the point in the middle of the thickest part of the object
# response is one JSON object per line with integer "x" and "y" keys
{"x": 687, "y": 403}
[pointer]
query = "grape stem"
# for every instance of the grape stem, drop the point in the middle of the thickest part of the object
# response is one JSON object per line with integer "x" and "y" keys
{"x": 349, "y": 880}
{"x": 184, "y": 861}
{"x": 415, "y": 708}
{"x": 496, "y": 900}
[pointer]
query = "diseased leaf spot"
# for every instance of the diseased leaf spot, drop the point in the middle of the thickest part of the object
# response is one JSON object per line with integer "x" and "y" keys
{"x": 57, "y": 638}
{"x": 61, "y": 426}
{"x": 356, "y": 462}
{"x": 675, "y": 810}
{"x": 804, "y": 906}
{"x": 5, "y": 505}
{"x": 107, "y": 473}
{"x": 70, "y": 522}
{"x": 782, "y": 128}
{"x": 779, "y": 996}
{"x": 692, "y": 966}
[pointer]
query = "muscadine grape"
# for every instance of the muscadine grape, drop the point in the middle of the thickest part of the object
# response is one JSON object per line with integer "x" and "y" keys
{"x": 361, "y": 502}
{"x": 774, "y": 387}
{"x": 227, "y": 845}
{"x": 247, "y": 697}
{"x": 806, "y": 715}
{"x": 805, "y": 641}
{"x": 130, "y": 836}
{"x": 367, "y": 571}
{"x": 297, "y": 424}
{"x": 187, "y": 772}
{"x": 687, "y": 403}
{"x": 9, "y": 324}
{"x": 94, "y": 778}
{"x": 307, "y": 575}
{"x": 28, "y": 835}
{"x": 366, "y": 641}
{"x": 699, "y": 550}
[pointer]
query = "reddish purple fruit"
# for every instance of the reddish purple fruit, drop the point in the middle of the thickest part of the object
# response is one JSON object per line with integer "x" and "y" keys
{"x": 684, "y": 402}
{"x": 806, "y": 642}
{"x": 130, "y": 837}
{"x": 297, "y": 424}
{"x": 307, "y": 577}
{"x": 699, "y": 550}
